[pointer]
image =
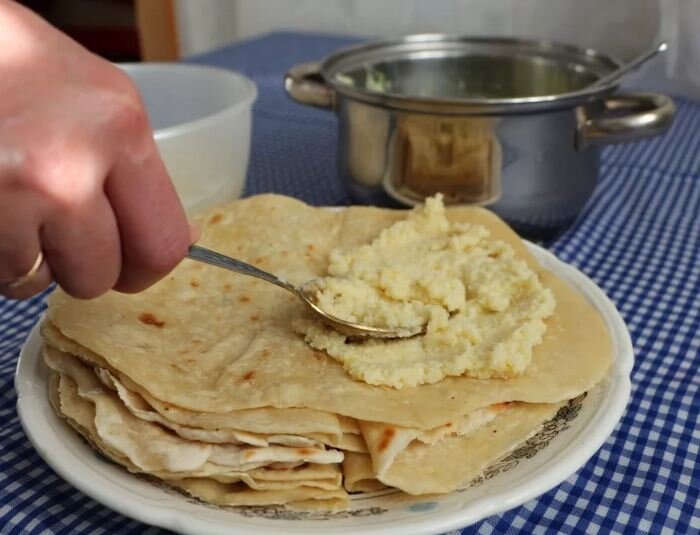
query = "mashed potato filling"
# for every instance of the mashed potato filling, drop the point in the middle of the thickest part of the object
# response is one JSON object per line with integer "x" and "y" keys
{"x": 482, "y": 308}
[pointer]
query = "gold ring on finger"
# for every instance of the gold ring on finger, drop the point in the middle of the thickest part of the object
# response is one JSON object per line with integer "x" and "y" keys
{"x": 28, "y": 276}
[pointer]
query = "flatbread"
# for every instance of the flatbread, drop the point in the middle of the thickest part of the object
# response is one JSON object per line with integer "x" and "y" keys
{"x": 210, "y": 341}
{"x": 152, "y": 448}
{"x": 346, "y": 442}
{"x": 348, "y": 425}
{"x": 385, "y": 442}
{"x": 454, "y": 461}
{"x": 262, "y": 420}
{"x": 359, "y": 474}
{"x": 316, "y": 482}
{"x": 140, "y": 408}
{"x": 266, "y": 478}
{"x": 307, "y": 498}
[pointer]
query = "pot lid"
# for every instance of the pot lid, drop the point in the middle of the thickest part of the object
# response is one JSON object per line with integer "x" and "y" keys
{"x": 442, "y": 73}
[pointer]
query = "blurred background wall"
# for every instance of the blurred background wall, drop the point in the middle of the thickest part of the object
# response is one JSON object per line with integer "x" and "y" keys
{"x": 622, "y": 25}
{"x": 171, "y": 29}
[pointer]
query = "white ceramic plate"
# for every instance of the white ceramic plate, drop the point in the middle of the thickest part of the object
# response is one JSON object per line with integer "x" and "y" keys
{"x": 544, "y": 461}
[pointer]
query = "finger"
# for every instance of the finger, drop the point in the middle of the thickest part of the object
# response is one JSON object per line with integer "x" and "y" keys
{"x": 19, "y": 242}
{"x": 23, "y": 269}
{"x": 34, "y": 283}
{"x": 82, "y": 248}
{"x": 155, "y": 234}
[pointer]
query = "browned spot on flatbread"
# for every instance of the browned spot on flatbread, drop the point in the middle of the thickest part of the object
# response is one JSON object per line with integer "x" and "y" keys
{"x": 254, "y": 317}
{"x": 310, "y": 248}
{"x": 216, "y": 218}
{"x": 244, "y": 299}
{"x": 388, "y": 434}
{"x": 248, "y": 376}
{"x": 227, "y": 287}
{"x": 194, "y": 283}
{"x": 151, "y": 319}
{"x": 501, "y": 406}
{"x": 449, "y": 424}
{"x": 249, "y": 454}
{"x": 305, "y": 451}
{"x": 259, "y": 260}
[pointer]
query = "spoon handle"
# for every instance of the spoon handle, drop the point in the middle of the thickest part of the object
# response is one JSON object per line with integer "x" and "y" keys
{"x": 207, "y": 256}
{"x": 632, "y": 65}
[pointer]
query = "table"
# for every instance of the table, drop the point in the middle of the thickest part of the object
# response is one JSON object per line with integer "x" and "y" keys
{"x": 638, "y": 238}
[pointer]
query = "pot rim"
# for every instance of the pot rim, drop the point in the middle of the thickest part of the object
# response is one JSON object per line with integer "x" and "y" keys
{"x": 332, "y": 64}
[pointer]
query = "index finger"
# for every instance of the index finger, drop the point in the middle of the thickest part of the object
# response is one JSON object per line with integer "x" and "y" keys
{"x": 154, "y": 231}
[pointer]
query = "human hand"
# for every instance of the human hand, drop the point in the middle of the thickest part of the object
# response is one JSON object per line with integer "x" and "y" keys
{"x": 81, "y": 180}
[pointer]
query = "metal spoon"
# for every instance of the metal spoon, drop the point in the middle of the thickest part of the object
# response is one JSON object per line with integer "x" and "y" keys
{"x": 207, "y": 256}
{"x": 615, "y": 75}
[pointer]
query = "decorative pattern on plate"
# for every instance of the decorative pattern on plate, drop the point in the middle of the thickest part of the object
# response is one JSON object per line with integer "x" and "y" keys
{"x": 280, "y": 513}
{"x": 560, "y": 422}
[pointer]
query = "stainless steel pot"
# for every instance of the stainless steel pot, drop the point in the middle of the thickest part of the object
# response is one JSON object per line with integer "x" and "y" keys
{"x": 512, "y": 124}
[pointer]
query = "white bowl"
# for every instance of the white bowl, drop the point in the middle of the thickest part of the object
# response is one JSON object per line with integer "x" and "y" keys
{"x": 201, "y": 117}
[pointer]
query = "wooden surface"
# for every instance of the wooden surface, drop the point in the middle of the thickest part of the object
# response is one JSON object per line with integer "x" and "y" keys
{"x": 157, "y": 27}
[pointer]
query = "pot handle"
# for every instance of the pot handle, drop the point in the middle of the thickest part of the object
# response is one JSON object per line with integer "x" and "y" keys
{"x": 305, "y": 84}
{"x": 625, "y": 117}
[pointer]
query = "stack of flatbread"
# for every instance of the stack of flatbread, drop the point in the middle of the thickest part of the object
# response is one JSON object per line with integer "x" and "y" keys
{"x": 201, "y": 381}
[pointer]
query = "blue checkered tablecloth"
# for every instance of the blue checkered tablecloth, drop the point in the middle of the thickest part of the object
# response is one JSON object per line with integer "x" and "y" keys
{"x": 638, "y": 238}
